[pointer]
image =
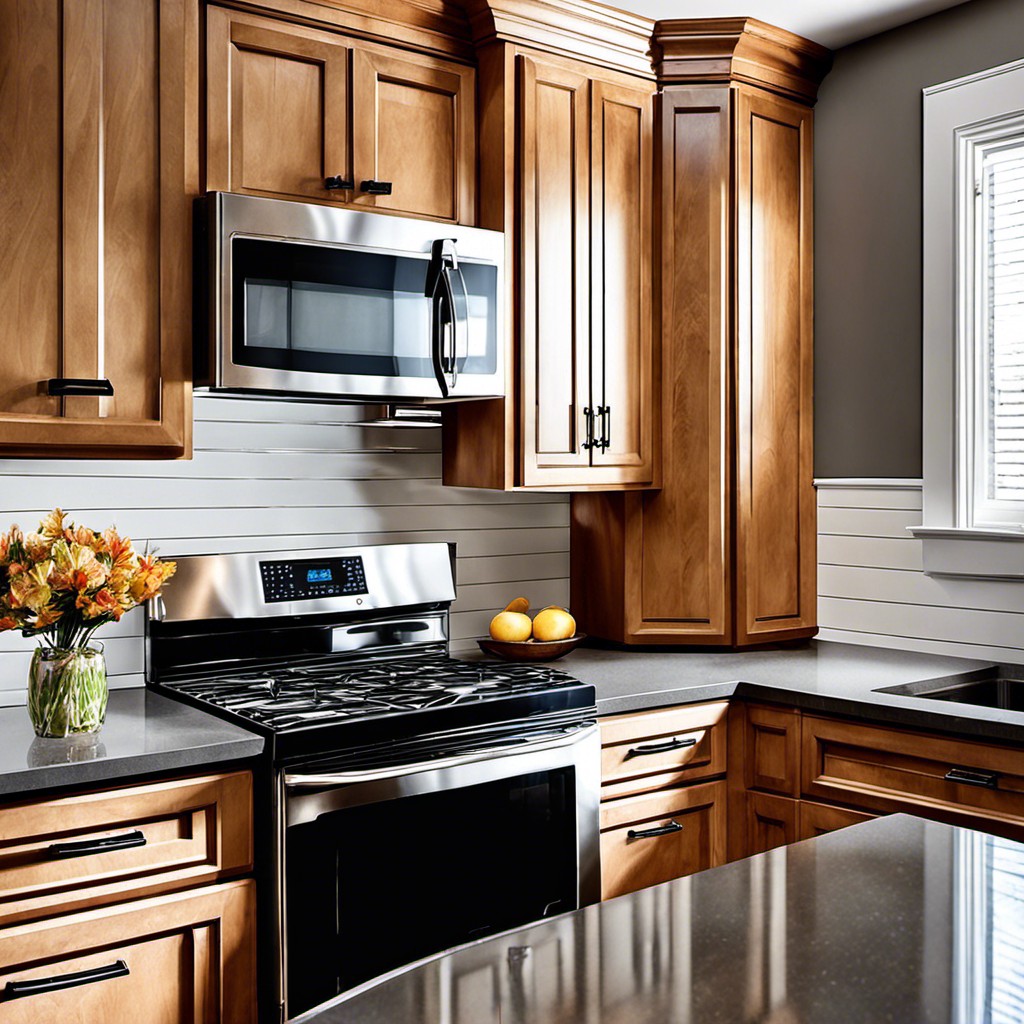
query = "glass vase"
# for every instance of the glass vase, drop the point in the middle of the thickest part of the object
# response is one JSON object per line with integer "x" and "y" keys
{"x": 67, "y": 690}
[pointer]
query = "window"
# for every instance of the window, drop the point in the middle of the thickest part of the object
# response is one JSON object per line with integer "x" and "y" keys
{"x": 973, "y": 318}
{"x": 994, "y": 252}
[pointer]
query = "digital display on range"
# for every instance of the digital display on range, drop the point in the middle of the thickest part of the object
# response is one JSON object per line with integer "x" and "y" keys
{"x": 312, "y": 579}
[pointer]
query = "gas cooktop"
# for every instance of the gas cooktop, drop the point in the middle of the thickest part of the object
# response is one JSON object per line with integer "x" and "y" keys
{"x": 297, "y": 696}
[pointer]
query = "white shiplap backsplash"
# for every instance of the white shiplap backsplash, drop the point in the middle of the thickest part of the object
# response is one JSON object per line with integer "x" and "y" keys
{"x": 872, "y": 589}
{"x": 286, "y": 476}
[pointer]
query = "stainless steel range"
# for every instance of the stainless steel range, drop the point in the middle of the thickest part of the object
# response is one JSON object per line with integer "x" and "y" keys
{"x": 417, "y": 801}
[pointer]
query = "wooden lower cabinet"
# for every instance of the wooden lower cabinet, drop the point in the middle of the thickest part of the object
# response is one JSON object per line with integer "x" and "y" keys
{"x": 180, "y": 957}
{"x": 654, "y": 838}
{"x": 667, "y": 747}
{"x": 70, "y": 853}
{"x": 819, "y": 819}
{"x": 878, "y": 768}
{"x": 771, "y": 821}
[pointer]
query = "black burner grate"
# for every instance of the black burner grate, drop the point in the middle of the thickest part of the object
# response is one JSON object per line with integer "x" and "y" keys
{"x": 300, "y": 696}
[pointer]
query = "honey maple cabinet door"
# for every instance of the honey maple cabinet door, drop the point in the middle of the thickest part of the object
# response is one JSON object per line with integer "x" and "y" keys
{"x": 775, "y": 505}
{"x": 184, "y": 957}
{"x": 277, "y": 108}
{"x": 413, "y": 126}
{"x": 98, "y": 116}
{"x": 554, "y": 285}
{"x": 621, "y": 347}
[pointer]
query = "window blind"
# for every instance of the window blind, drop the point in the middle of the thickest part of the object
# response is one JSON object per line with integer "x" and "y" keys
{"x": 1003, "y": 185}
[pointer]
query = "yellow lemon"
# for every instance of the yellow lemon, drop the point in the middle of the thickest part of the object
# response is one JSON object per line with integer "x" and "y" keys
{"x": 520, "y": 604}
{"x": 553, "y": 624}
{"x": 511, "y": 626}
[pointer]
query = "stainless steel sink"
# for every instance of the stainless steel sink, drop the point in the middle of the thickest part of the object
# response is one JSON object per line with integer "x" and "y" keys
{"x": 1006, "y": 694}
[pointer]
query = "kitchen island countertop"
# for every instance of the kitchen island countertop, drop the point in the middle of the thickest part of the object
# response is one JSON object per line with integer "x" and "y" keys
{"x": 896, "y": 919}
{"x": 144, "y": 734}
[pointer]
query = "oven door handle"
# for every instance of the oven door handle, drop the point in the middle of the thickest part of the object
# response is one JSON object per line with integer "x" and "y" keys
{"x": 571, "y": 736}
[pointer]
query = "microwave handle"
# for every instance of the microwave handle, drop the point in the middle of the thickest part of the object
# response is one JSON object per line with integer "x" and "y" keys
{"x": 437, "y": 342}
{"x": 459, "y": 318}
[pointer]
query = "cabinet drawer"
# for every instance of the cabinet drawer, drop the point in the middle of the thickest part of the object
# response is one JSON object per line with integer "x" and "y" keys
{"x": 159, "y": 837}
{"x": 179, "y": 957}
{"x": 883, "y": 769}
{"x": 694, "y": 820}
{"x": 655, "y": 749}
{"x": 820, "y": 819}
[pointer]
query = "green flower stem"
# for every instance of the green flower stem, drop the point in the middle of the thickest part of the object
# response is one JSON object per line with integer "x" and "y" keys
{"x": 67, "y": 691}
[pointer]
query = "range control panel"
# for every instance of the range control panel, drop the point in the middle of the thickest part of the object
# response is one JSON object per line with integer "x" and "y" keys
{"x": 311, "y": 579}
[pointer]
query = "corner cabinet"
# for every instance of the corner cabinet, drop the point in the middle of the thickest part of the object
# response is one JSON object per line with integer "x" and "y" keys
{"x": 99, "y": 120}
{"x": 569, "y": 146}
{"x": 300, "y": 113}
{"x": 725, "y": 552}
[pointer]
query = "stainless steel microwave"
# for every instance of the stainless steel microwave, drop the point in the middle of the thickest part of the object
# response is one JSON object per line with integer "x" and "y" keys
{"x": 316, "y": 301}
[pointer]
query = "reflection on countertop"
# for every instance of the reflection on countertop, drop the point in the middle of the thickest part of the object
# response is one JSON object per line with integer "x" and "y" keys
{"x": 896, "y": 919}
{"x": 143, "y": 733}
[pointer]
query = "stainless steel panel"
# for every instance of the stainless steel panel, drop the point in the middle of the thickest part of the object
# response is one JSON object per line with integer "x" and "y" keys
{"x": 279, "y": 220}
{"x": 230, "y": 586}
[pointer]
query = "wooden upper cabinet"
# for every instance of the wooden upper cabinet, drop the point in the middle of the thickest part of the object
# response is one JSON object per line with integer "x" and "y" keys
{"x": 584, "y": 295}
{"x": 98, "y": 105}
{"x": 776, "y": 589}
{"x": 414, "y": 128}
{"x": 277, "y": 107}
{"x": 291, "y": 109}
{"x": 725, "y": 551}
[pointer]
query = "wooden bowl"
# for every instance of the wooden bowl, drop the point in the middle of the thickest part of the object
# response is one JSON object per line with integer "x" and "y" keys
{"x": 531, "y": 650}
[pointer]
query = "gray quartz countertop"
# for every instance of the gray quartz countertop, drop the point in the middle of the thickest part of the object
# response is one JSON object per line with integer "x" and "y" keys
{"x": 819, "y": 675}
{"x": 896, "y": 919}
{"x": 144, "y": 733}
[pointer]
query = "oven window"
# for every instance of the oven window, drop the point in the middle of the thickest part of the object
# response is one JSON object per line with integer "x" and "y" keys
{"x": 322, "y": 309}
{"x": 374, "y": 887}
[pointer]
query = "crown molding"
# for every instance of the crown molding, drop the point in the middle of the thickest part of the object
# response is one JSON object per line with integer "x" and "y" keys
{"x": 572, "y": 28}
{"x": 706, "y": 50}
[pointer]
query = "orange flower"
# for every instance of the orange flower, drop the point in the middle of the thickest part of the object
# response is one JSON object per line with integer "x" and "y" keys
{"x": 30, "y": 589}
{"x": 47, "y": 617}
{"x": 37, "y": 546}
{"x": 10, "y": 540}
{"x": 80, "y": 535}
{"x": 8, "y": 622}
{"x": 152, "y": 575}
{"x": 76, "y": 567}
{"x": 53, "y": 525}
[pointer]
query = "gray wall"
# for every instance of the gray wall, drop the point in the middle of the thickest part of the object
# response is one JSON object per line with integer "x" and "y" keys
{"x": 868, "y": 231}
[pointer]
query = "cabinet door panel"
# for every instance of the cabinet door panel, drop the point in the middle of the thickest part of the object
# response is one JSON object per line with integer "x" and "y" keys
{"x": 189, "y": 957}
{"x": 30, "y": 205}
{"x": 413, "y": 126}
{"x": 555, "y": 277}
{"x": 775, "y": 528}
{"x": 111, "y": 124}
{"x": 771, "y": 821}
{"x": 820, "y": 819}
{"x": 621, "y": 141}
{"x": 277, "y": 121}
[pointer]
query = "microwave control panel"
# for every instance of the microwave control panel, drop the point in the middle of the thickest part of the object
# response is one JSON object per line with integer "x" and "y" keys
{"x": 312, "y": 579}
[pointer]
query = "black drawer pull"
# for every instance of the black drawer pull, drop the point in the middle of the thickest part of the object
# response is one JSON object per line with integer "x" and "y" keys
{"x": 659, "y": 748}
{"x": 972, "y": 777}
{"x": 84, "y": 847}
{"x": 651, "y": 833}
{"x": 69, "y": 387}
{"x": 21, "y": 989}
{"x": 336, "y": 182}
{"x": 376, "y": 188}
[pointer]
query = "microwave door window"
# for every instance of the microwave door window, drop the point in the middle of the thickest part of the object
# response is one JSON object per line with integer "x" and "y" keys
{"x": 327, "y": 310}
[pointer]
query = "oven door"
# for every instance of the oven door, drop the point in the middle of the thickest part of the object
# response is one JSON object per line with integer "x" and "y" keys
{"x": 387, "y": 866}
{"x": 315, "y": 300}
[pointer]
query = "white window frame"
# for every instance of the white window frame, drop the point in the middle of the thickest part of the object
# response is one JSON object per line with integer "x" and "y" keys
{"x": 962, "y": 119}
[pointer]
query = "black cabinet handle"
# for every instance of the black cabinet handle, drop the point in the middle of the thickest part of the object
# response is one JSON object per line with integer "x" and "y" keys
{"x": 651, "y": 833}
{"x": 588, "y": 415}
{"x": 336, "y": 182}
{"x": 972, "y": 777}
{"x": 659, "y": 748}
{"x": 376, "y": 188}
{"x": 84, "y": 847}
{"x": 605, "y": 412}
{"x": 79, "y": 386}
{"x": 37, "y": 986}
